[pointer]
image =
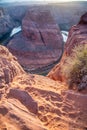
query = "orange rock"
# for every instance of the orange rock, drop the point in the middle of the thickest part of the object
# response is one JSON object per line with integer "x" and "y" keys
{"x": 37, "y": 102}
{"x": 9, "y": 67}
{"x": 77, "y": 36}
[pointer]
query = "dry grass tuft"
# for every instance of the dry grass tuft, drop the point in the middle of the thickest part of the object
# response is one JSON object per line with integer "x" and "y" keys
{"x": 75, "y": 68}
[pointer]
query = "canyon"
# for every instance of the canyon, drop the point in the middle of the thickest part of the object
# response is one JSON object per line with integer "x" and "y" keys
{"x": 37, "y": 102}
{"x": 77, "y": 36}
{"x": 40, "y": 44}
{"x": 34, "y": 102}
{"x": 16, "y": 15}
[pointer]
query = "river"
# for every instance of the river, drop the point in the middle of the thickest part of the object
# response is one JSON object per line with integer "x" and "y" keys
{"x": 18, "y": 29}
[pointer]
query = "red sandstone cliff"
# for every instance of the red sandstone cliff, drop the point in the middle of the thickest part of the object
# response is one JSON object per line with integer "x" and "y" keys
{"x": 40, "y": 44}
{"x": 77, "y": 36}
{"x": 35, "y": 102}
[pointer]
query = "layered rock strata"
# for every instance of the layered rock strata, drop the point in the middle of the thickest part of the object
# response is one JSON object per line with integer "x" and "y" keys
{"x": 77, "y": 36}
{"x": 39, "y": 46}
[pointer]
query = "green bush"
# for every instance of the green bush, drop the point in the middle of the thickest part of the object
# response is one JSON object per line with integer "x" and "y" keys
{"x": 75, "y": 68}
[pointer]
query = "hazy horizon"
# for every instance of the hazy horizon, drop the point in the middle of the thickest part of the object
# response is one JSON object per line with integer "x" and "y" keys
{"x": 51, "y": 1}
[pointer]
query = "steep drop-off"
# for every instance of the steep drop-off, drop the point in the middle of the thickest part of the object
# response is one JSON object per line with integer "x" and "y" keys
{"x": 40, "y": 45}
{"x": 6, "y": 23}
{"x": 77, "y": 37}
{"x": 36, "y": 102}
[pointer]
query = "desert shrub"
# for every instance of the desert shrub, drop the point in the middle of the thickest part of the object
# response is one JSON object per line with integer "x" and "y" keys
{"x": 75, "y": 68}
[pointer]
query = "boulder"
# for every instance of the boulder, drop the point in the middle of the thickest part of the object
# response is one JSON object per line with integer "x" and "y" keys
{"x": 18, "y": 109}
{"x": 75, "y": 109}
{"x": 24, "y": 98}
{"x": 14, "y": 116}
{"x": 39, "y": 46}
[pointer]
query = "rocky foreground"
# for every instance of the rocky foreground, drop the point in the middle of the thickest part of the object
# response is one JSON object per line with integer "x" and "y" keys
{"x": 34, "y": 102}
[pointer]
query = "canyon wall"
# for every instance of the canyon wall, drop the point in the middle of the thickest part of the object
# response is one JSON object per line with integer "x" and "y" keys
{"x": 14, "y": 13}
{"x": 35, "y": 102}
{"x": 77, "y": 36}
{"x": 40, "y": 45}
{"x": 65, "y": 14}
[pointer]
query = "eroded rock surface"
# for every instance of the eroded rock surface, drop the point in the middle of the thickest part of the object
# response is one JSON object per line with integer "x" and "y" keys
{"x": 14, "y": 116}
{"x": 35, "y": 102}
{"x": 9, "y": 67}
{"x": 77, "y": 36}
{"x": 39, "y": 46}
{"x": 24, "y": 98}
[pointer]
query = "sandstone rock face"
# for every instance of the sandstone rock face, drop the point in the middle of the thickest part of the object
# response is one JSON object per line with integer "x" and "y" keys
{"x": 17, "y": 107}
{"x": 40, "y": 44}
{"x": 34, "y": 102}
{"x": 24, "y": 98}
{"x": 6, "y": 23}
{"x": 9, "y": 67}
{"x": 14, "y": 116}
{"x": 77, "y": 36}
{"x": 57, "y": 108}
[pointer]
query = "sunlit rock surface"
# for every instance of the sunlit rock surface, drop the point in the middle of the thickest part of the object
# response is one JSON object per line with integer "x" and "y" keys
{"x": 15, "y": 31}
{"x": 77, "y": 36}
{"x": 35, "y": 102}
{"x": 40, "y": 44}
{"x": 9, "y": 67}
